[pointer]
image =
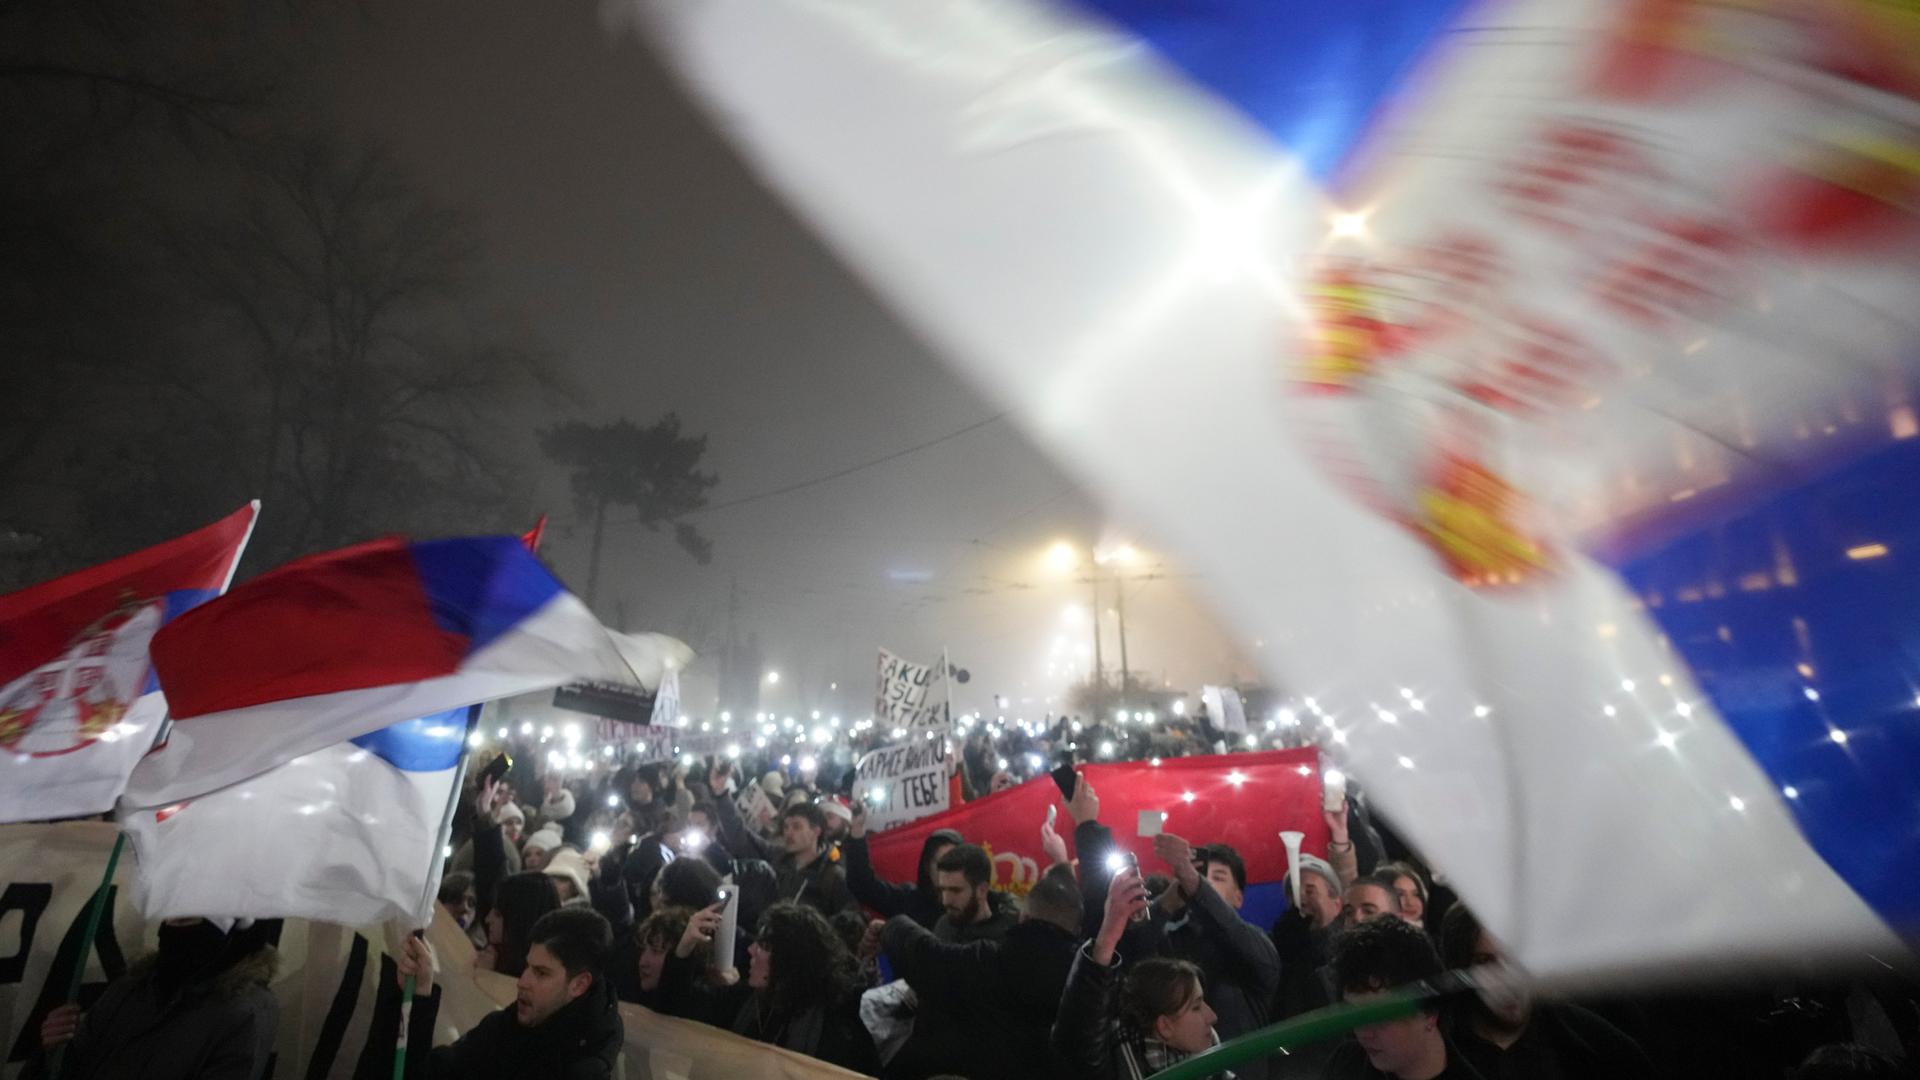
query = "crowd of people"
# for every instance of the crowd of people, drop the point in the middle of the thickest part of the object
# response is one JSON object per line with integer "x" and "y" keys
{"x": 596, "y": 887}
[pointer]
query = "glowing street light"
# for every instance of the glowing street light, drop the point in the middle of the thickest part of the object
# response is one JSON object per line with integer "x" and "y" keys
{"x": 773, "y": 678}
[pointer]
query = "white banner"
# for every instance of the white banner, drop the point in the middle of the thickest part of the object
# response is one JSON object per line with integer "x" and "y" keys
{"x": 666, "y": 701}
{"x": 1224, "y": 706}
{"x": 907, "y": 781}
{"x": 904, "y": 698}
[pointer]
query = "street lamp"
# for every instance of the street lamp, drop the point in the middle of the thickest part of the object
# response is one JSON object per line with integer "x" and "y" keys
{"x": 773, "y": 678}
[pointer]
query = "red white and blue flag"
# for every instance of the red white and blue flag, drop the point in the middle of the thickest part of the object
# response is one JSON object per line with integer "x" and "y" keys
{"x": 1555, "y": 362}
{"x": 78, "y": 702}
{"x": 336, "y": 646}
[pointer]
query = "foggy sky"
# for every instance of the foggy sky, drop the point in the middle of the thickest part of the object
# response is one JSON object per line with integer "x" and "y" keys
{"x": 626, "y": 236}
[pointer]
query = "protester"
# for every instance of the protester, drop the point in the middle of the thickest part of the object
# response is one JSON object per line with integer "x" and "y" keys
{"x": 970, "y": 909}
{"x": 1201, "y": 925}
{"x": 801, "y": 863}
{"x": 456, "y": 895}
{"x": 1369, "y": 898}
{"x": 539, "y": 847}
{"x": 1010, "y": 988}
{"x": 564, "y": 1022}
{"x": 1111, "y": 1027}
{"x": 1303, "y": 939}
{"x": 801, "y": 990}
{"x": 1410, "y": 889}
{"x": 919, "y": 901}
{"x": 1511, "y": 1036}
{"x": 1370, "y": 959}
{"x": 568, "y": 869}
{"x": 839, "y": 818}
{"x": 653, "y": 941}
{"x": 197, "y": 1007}
{"x": 522, "y": 900}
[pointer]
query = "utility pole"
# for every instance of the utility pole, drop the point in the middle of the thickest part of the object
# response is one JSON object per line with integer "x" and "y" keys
{"x": 1120, "y": 611}
{"x": 1099, "y": 679}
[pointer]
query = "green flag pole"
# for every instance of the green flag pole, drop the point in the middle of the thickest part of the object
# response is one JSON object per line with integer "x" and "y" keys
{"x": 95, "y": 909}
{"x": 1325, "y": 1023}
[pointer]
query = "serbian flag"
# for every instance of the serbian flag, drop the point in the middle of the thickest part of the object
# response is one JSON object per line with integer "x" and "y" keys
{"x": 335, "y": 646}
{"x": 1548, "y": 360}
{"x": 78, "y": 701}
{"x": 1242, "y": 800}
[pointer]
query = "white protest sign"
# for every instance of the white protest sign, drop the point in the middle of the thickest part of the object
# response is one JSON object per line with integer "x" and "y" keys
{"x": 904, "y": 698}
{"x": 666, "y": 701}
{"x": 907, "y": 781}
{"x": 1224, "y": 707}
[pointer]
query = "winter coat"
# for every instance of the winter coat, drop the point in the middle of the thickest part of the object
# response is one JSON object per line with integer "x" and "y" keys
{"x": 1088, "y": 1036}
{"x": 821, "y": 884}
{"x": 580, "y": 1042}
{"x": 218, "y": 1028}
{"x": 829, "y": 1030}
{"x": 1010, "y": 987}
{"x": 1236, "y": 959}
{"x": 919, "y": 901}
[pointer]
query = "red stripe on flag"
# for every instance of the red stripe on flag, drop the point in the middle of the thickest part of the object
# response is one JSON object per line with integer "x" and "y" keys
{"x": 1274, "y": 791}
{"x": 37, "y": 624}
{"x": 344, "y": 620}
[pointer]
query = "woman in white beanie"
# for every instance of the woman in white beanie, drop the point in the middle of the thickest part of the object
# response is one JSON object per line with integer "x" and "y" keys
{"x": 538, "y": 851}
{"x": 568, "y": 869}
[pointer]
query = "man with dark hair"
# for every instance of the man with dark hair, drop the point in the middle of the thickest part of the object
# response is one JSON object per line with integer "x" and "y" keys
{"x": 1200, "y": 919}
{"x": 1369, "y": 960}
{"x": 564, "y": 1022}
{"x": 963, "y": 878}
{"x": 1009, "y": 987}
{"x": 807, "y": 871}
{"x": 1517, "y": 1037}
{"x": 1368, "y": 898}
{"x": 919, "y": 900}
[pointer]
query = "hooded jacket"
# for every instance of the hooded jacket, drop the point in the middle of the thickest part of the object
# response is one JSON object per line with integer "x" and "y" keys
{"x": 220, "y": 1027}
{"x": 582, "y": 1041}
{"x": 919, "y": 901}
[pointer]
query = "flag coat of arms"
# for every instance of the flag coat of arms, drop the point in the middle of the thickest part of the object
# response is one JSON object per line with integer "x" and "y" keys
{"x": 1558, "y": 359}
{"x": 78, "y": 701}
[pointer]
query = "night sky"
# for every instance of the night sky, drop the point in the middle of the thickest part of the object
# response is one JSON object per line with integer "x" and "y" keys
{"x": 621, "y": 232}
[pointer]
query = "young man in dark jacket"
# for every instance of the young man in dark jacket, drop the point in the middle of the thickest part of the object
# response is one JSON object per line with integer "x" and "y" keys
{"x": 565, "y": 1022}
{"x": 807, "y": 869}
{"x": 197, "y": 1008}
{"x": 1369, "y": 960}
{"x": 1010, "y": 987}
{"x": 919, "y": 901}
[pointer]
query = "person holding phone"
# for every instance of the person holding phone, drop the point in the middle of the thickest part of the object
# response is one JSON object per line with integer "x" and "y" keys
{"x": 920, "y": 900}
{"x": 1121, "y": 1025}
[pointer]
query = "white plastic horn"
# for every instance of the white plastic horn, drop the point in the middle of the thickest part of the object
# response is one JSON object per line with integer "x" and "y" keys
{"x": 1292, "y": 840}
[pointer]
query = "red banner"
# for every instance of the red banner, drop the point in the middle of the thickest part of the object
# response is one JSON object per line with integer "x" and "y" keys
{"x": 1244, "y": 800}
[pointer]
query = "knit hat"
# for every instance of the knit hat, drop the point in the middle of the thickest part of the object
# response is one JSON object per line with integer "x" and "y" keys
{"x": 837, "y": 806}
{"x": 773, "y": 784}
{"x": 558, "y": 806}
{"x": 570, "y": 864}
{"x": 546, "y": 839}
{"x": 1314, "y": 864}
{"x": 509, "y": 811}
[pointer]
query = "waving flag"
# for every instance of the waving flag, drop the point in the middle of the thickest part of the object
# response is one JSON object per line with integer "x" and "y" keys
{"x": 1558, "y": 360}
{"x": 349, "y": 833}
{"x": 335, "y": 646}
{"x": 78, "y": 703}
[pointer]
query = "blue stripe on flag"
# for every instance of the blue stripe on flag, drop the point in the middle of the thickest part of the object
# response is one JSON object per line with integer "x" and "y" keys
{"x": 481, "y": 587}
{"x": 1799, "y": 620}
{"x": 178, "y": 602}
{"x": 1313, "y": 75}
{"x": 428, "y": 744}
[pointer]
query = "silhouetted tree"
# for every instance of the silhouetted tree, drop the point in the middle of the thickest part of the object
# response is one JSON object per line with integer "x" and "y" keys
{"x": 654, "y": 470}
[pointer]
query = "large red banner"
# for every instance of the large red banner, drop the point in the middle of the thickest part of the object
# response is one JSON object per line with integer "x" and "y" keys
{"x": 1245, "y": 800}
